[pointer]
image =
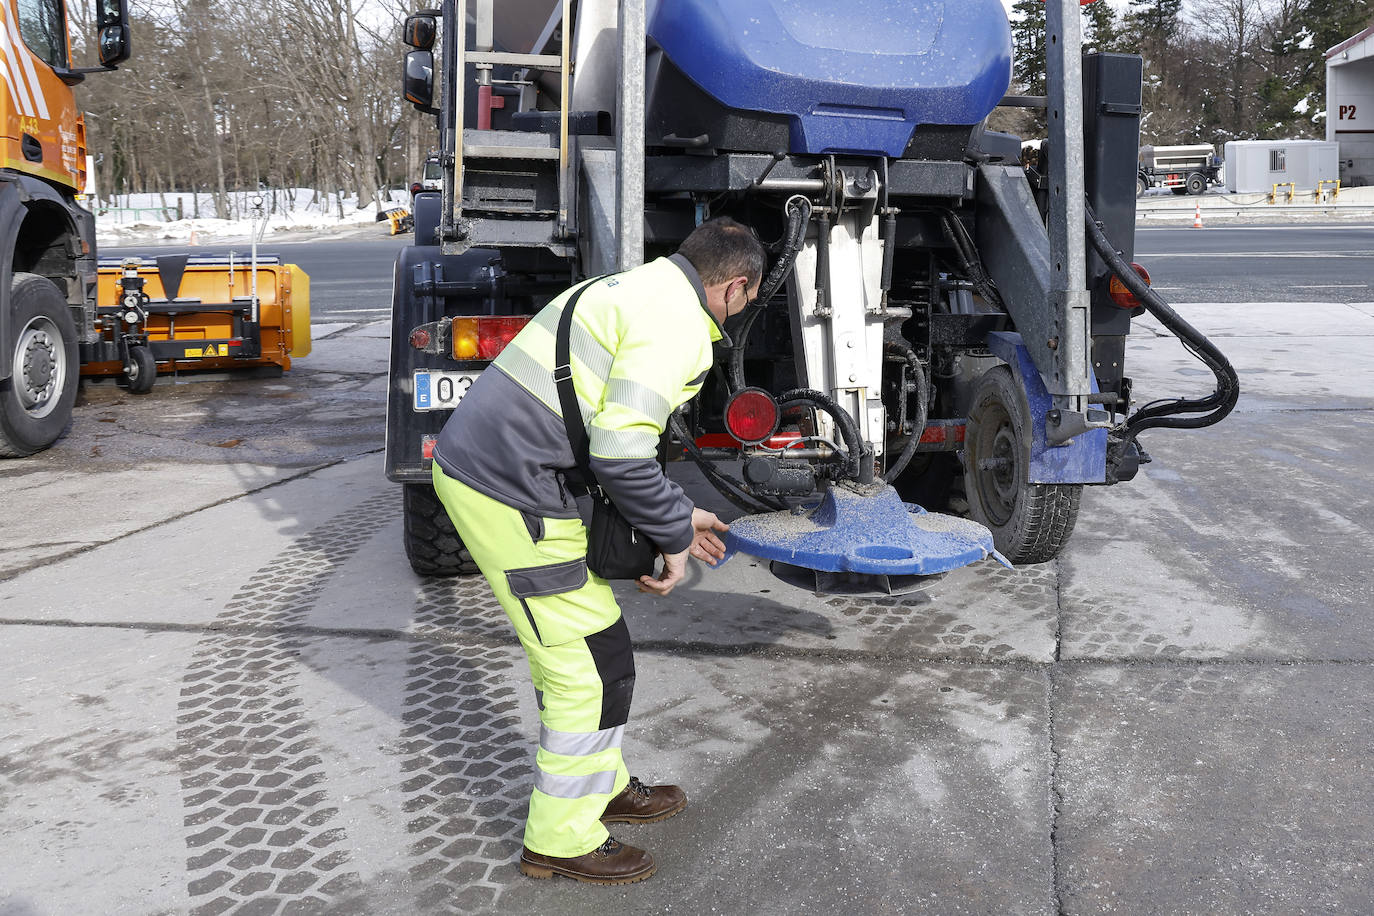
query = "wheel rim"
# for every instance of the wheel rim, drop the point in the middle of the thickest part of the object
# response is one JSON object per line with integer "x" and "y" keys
{"x": 997, "y": 475}
{"x": 41, "y": 363}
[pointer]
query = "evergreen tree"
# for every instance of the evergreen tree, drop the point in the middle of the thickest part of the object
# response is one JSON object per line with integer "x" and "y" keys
{"x": 1294, "y": 94}
{"x": 1101, "y": 27}
{"x": 1028, "y": 45}
{"x": 1156, "y": 25}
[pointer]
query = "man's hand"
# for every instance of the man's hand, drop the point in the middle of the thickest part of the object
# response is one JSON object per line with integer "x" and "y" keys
{"x": 674, "y": 565}
{"x": 706, "y": 544}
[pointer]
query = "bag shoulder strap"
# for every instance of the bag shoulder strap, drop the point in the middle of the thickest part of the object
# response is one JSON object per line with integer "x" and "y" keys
{"x": 567, "y": 394}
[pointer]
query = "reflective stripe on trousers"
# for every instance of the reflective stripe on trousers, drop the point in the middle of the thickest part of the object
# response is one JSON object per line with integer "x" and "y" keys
{"x": 580, "y": 658}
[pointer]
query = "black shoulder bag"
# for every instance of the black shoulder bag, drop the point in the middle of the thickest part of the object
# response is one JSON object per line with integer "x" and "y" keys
{"x": 615, "y": 548}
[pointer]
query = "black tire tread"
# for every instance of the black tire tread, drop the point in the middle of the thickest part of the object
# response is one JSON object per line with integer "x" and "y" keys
{"x": 11, "y": 447}
{"x": 147, "y": 370}
{"x": 432, "y": 544}
{"x": 1050, "y": 512}
{"x": 1045, "y": 514}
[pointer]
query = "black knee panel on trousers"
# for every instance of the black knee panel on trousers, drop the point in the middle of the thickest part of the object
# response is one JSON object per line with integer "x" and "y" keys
{"x": 615, "y": 662}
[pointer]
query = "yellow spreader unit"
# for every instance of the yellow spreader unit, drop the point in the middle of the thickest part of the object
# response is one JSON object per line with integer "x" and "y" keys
{"x": 203, "y": 312}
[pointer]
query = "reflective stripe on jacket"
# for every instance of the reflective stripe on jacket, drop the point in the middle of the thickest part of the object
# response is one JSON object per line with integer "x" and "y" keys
{"x": 641, "y": 347}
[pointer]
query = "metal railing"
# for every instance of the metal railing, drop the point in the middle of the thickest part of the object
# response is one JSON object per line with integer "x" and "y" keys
{"x": 160, "y": 214}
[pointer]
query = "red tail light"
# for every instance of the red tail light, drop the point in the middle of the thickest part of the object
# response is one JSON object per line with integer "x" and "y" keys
{"x": 484, "y": 338}
{"x": 751, "y": 415}
{"x": 1122, "y": 296}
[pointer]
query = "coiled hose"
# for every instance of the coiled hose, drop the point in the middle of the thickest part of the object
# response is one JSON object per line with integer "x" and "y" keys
{"x": 732, "y": 489}
{"x": 859, "y": 456}
{"x": 1166, "y": 414}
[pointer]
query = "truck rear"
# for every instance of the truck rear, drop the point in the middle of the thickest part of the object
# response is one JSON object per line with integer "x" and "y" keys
{"x": 937, "y": 318}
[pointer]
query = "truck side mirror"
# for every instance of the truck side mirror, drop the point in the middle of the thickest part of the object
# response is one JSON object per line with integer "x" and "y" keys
{"x": 418, "y": 80}
{"x": 419, "y": 31}
{"x": 112, "y": 25}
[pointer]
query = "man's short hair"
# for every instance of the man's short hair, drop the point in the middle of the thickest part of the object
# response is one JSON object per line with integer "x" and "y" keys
{"x": 721, "y": 249}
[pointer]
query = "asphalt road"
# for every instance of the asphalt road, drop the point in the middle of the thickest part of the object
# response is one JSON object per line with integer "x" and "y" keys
{"x": 1307, "y": 262}
{"x": 226, "y": 692}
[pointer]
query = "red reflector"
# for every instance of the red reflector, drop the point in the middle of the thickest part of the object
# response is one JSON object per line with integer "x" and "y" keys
{"x": 419, "y": 338}
{"x": 941, "y": 432}
{"x": 427, "y": 446}
{"x": 751, "y": 415}
{"x": 494, "y": 333}
{"x": 1122, "y": 296}
{"x": 235, "y": 343}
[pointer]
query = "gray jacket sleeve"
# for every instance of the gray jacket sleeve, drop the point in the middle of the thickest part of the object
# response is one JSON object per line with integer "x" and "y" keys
{"x": 648, "y": 500}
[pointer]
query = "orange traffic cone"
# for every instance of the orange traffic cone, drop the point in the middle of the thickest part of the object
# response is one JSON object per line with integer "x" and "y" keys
{"x": 1197, "y": 216}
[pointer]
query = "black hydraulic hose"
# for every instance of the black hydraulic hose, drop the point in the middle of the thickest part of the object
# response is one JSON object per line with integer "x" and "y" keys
{"x": 732, "y": 489}
{"x": 860, "y": 458}
{"x": 918, "y": 423}
{"x": 957, "y": 235}
{"x": 798, "y": 218}
{"x": 1219, "y": 402}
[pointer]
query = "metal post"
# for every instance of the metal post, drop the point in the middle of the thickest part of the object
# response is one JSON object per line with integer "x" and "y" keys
{"x": 451, "y": 127}
{"x": 1069, "y": 328}
{"x": 630, "y": 137}
{"x": 564, "y": 107}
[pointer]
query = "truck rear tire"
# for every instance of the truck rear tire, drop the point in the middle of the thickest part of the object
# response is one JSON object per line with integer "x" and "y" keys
{"x": 1197, "y": 183}
{"x": 1030, "y": 522}
{"x": 1141, "y": 186}
{"x": 36, "y": 400}
{"x": 432, "y": 545}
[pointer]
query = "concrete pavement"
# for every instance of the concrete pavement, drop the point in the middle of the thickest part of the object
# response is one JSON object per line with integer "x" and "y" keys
{"x": 235, "y": 697}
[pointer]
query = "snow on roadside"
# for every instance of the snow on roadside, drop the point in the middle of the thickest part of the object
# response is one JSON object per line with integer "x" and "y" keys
{"x": 136, "y": 217}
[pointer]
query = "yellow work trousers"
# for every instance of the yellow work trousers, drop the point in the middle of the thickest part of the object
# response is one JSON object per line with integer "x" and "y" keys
{"x": 580, "y": 658}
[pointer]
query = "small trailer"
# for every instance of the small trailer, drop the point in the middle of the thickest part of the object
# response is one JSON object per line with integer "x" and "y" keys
{"x": 1181, "y": 169}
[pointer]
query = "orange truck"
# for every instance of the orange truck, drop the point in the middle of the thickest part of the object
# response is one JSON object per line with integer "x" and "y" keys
{"x": 48, "y": 312}
{"x": 62, "y": 313}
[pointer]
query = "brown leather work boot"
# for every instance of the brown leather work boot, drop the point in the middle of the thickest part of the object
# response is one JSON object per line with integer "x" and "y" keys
{"x": 641, "y": 804}
{"x": 610, "y": 863}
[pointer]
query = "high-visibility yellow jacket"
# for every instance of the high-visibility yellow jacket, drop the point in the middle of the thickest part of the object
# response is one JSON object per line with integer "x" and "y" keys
{"x": 641, "y": 347}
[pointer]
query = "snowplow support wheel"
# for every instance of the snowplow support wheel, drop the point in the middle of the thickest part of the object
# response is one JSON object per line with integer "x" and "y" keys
{"x": 141, "y": 372}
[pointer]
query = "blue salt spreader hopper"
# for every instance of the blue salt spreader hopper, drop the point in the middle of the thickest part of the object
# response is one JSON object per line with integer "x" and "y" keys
{"x": 861, "y": 540}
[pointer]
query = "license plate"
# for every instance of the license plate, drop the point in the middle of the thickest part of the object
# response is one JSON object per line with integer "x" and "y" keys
{"x": 438, "y": 390}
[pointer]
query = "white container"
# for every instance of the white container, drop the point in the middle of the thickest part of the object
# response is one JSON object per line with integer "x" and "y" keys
{"x": 1254, "y": 166}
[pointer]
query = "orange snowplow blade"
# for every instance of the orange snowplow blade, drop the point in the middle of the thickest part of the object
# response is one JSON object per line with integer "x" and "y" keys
{"x": 202, "y": 327}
